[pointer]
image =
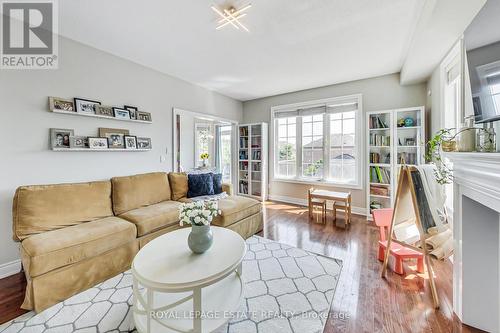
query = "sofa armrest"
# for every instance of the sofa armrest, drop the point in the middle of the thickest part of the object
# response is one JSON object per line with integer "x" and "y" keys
{"x": 228, "y": 188}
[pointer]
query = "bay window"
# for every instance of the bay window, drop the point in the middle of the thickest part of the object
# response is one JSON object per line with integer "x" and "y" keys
{"x": 318, "y": 141}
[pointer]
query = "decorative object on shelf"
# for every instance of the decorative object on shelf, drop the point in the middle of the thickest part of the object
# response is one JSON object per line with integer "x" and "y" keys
{"x": 85, "y": 105}
{"x": 130, "y": 142}
{"x": 115, "y": 136}
{"x": 98, "y": 143}
{"x": 78, "y": 142}
{"x": 204, "y": 157}
{"x": 144, "y": 143}
{"x": 199, "y": 215}
{"x": 445, "y": 141}
{"x": 144, "y": 116}
{"x": 106, "y": 111}
{"x": 401, "y": 122}
{"x": 59, "y": 138}
{"x": 61, "y": 104}
{"x": 409, "y": 122}
{"x": 486, "y": 139}
{"x": 121, "y": 113}
{"x": 133, "y": 111}
{"x": 410, "y": 142}
{"x": 466, "y": 140}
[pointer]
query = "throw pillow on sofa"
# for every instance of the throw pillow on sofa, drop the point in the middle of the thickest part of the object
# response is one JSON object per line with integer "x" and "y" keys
{"x": 202, "y": 184}
{"x": 178, "y": 184}
{"x": 217, "y": 183}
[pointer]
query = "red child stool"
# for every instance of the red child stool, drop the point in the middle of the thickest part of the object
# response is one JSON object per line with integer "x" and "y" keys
{"x": 383, "y": 218}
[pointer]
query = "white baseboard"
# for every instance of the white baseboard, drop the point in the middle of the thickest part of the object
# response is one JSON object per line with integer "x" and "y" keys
{"x": 10, "y": 268}
{"x": 303, "y": 202}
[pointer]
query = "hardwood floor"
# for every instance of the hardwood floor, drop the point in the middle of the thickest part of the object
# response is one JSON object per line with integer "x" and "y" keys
{"x": 363, "y": 302}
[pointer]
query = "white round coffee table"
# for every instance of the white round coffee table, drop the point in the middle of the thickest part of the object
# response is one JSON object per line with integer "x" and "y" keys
{"x": 176, "y": 290}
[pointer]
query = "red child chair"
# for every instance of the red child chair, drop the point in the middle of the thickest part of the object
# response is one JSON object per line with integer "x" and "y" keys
{"x": 383, "y": 219}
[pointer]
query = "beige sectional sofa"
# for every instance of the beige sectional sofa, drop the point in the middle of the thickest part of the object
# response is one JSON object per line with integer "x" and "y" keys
{"x": 74, "y": 236}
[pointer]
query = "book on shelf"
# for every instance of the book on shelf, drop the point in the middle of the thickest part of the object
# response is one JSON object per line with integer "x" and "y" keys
{"x": 243, "y": 166}
{"x": 244, "y": 143}
{"x": 244, "y": 131}
{"x": 407, "y": 158}
{"x": 379, "y": 140}
{"x": 380, "y": 175}
{"x": 374, "y": 158}
{"x": 377, "y": 122}
{"x": 256, "y": 155}
{"x": 243, "y": 187}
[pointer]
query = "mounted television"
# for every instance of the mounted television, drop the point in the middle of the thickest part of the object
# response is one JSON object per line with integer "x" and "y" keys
{"x": 484, "y": 74}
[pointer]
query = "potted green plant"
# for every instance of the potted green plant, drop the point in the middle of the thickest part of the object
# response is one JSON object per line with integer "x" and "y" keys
{"x": 444, "y": 140}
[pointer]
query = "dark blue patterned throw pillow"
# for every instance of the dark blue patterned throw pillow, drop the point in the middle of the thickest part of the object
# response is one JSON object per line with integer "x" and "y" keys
{"x": 217, "y": 183}
{"x": 202, "y": 184}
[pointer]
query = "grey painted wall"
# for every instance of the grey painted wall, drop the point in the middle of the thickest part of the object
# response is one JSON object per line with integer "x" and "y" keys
{"x": 87, "y": 72}
{"x": 380, "y": 93}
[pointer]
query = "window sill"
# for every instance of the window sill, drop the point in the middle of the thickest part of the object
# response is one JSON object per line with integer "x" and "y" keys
{"x": 317, "y": 182}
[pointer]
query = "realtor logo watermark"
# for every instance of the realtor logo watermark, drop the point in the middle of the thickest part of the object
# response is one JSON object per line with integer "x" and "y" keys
{"x": 29, "y": 34}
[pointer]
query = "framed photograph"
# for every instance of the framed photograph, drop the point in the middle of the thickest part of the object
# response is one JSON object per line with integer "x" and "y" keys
{"x": 78, "y": 142}
{"x": 60, "y": 104}
{"x": 103, "y": 110}
{"x": 98, "y": 143}
{"x": 133, "y": 111}
{"x": 59, "y": 138}
{"x": 130, "y": 142}
{"x": 145, "y": 116}
{"x": 144, "y": 143}
{"x": 121, "y": 113}
{"x": 85, "y": 105}
{"x": 115, "y": 136}
{"x": 409, "y": 142}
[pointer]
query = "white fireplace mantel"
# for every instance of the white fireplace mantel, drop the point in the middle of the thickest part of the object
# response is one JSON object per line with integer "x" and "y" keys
{"x": 476, "y": 234}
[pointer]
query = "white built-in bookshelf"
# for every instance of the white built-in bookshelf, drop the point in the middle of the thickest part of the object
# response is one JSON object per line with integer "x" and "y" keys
{"x": 389, "y": 143}
{"x": 252, "y": 160}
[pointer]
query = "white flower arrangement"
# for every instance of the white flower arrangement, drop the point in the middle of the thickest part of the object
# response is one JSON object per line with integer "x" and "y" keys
{"x": 198, "y": 212}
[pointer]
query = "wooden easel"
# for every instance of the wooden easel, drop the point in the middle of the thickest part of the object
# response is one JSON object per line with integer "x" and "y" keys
{"x": 406, "y": 208}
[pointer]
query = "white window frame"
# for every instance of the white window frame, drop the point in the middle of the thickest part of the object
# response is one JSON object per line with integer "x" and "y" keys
{"x": 326, "y": 136}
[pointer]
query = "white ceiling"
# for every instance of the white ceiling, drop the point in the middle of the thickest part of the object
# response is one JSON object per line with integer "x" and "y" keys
{"x": 292, "y": 44}
{"x": 485, "y": 29}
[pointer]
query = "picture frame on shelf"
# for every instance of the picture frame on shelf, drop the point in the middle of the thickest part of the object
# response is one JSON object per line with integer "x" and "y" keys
{"x": 121, "y": 113}
{"x": 130, "y": 142}
{"x": 115, "y": 136}
{"x": 59, "y": 138}
{"x": 144, "y": 143}
{"x": 85, "y": 106}
{"x": 61, "y": 104}
{"x": 133, "y": 111}
{"x": 78, "y": 142}
{"x": 144, "y": 116}
{"x": 98, "y": 143}
{"x": 103, "y": 110}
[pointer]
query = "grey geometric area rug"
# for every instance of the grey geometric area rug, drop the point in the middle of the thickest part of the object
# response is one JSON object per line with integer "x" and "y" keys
{"x": 286, "y": 290}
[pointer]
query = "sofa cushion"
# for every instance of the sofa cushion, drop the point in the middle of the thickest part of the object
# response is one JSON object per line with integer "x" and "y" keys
{"x": 217, "y": 183}
{"x": 153, "y": 217}
{"x": 178, "y": 184}
{"x": 58, "y": 248}
{"x": 41, "y": 208}
{"x": 138, "y": 191}
{"x": 236, "y": 208}
{"x": 200, "y": 184}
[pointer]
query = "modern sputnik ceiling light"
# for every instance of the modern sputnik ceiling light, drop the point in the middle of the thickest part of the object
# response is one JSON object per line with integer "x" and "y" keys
{"x": 231, "y": 16}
